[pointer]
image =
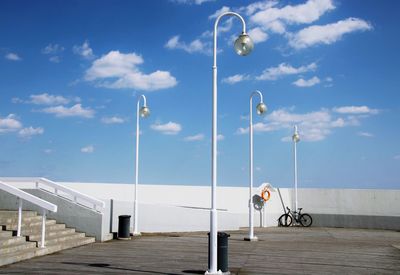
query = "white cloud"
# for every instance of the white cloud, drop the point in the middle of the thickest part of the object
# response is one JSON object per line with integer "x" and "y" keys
{"x": 306, "y": 83}
{"x": 275, "y": 19}
{"x": 220, "y": 137}
{"x": 235, "y": 78}
{"x": 30, "y": 131}
{"x": 88, "y": 149}
{"x": 48, "y": 151}
{"x": 283, "y": 69}
{"x": 13, "y": 57}
{"x": 117, "y": 70}
{"x": 113, "y": 120}
{"x": 356, "y": 110}
{"x": 196, "y": 46}
{"x": 258, "y": 35}
{"x": 197, "y": 137}
{"x": 170, "y": 128}
{"x": 219, "y": 12}
{"x": 53, "y": 49}
{"x": 190, "y": 2}
{"x": 365, "y": 134}
{"x": 313, "y": 126}
{"x": 85, "y": 51}
{"x": 55, "y": 59}
{"x": 47, "y": 99}
{"x": 75, "y": 111}
{"x": 9, "y": 124}
{"x": 327, "y": 34}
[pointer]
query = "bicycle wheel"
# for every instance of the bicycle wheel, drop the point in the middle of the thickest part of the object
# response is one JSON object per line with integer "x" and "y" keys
{"x": 285, "y": 220}
{"x": 305, "y": 220}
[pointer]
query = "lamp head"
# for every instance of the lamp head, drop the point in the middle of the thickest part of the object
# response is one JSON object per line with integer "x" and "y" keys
{"x": 243, "y": 44}
{"x": 261, "y": 108}
{"x": 296, "y": 137}
{"x": 144, "y": 111}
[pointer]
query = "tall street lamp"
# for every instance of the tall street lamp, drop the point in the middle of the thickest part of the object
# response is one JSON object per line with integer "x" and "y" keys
{"x": 243, "y": 46}
{"x": 261, "y": 109}
{"x": 295, "y": 138}
{"x": 140, "y": 112}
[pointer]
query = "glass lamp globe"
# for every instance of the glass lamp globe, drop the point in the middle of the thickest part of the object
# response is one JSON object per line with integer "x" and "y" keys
{"x": 144, "y": 111}
{"x": 261, "y": 108}
{"x": 243, "y": 45}
{"x": 296, "y": 137}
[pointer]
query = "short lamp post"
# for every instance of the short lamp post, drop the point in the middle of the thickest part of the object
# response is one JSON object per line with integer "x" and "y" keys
{"x": 261, "y": 109}
{"x": 295, "y": 138}
{"x": 243, "y": 46}
{"x": 140, "y": 112}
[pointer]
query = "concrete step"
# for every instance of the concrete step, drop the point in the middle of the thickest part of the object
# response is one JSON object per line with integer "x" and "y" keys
{"x": 52, "y": 233}
{"x": 51, "y": 248}
{"x": 38, "y": 229}
{"x": 17, "y": 256}
{"x": 5, "y": 234}
{"x": 12, "y": 241}
{"x": 61, "y": 239}
{"x": 11, "y": 213}
{"x": 29, "y": 219}
{"x": 16, "y": 247}
{"x": 14, "y": 226}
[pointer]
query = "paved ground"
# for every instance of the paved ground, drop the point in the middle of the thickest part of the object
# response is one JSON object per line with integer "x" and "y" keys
{"x": 279, "y": 251}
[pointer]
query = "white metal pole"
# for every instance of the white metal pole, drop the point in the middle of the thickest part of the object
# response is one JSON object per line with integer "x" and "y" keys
{"x": 43, "y": 228}
{"x": 136, "y": 210}
{"x": 251, "y": 170}
{"x": 295, "y": 170}
{"x": 19, "y": 217}
{"x": 213, "y": 212}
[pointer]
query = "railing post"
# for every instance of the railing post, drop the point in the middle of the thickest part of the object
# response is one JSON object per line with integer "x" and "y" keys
{"x": 37, "y": 185}
{"x": 43, "y": 228}
{"x": 19, "y": 217}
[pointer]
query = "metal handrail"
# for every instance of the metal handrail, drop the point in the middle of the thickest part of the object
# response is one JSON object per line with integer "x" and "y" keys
{"x": 75, "y": 196}
{"x": 24, "y": 196}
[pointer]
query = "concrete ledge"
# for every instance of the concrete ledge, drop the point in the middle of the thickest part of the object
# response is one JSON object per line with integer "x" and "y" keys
{"x": 356, "y": 221}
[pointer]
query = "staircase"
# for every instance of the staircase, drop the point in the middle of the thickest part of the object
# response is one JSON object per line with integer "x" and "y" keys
{"x": 14, "y": 249}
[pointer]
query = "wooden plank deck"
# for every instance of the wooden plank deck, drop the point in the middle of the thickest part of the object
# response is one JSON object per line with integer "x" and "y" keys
{"x": 279, "y": 251}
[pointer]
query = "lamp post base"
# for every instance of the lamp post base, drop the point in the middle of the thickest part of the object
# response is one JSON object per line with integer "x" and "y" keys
{"x": 253, "y": 239}
{"x": 219, "y": 272}
{"x": 136, "y": 234}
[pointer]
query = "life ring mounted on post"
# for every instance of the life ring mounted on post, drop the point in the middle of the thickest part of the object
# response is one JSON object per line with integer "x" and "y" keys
{"x": 265, "y": 194}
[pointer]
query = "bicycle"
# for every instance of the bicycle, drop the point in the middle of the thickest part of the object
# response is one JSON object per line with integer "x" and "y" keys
{"x": 287, "y": 218}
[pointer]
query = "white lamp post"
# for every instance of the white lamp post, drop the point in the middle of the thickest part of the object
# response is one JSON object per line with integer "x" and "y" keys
{"x": 295, "y": 138}
{"x": 243, "y": 46}
{"x": 261, "y": 109}
{"x": 140, "y": 112}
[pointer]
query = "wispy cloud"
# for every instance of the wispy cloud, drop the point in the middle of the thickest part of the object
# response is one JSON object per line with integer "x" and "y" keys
{"x": 53, "y": 50}
{"x": 117, "y": 70}
{"x": 9, "y": 123}
{"x": 327, "y": 34}
{"x": 236, "y": 78}
{"x": 87, "y": 149}
{"x": 47, "y": 99}
{"x": 283, "y": 69}
{"x": 113, "y": 120}
{"x": 313, "y": 126}
{"x": 355, "y": 110}
{"x": 30, "y": 132}
{"x": 13, "y": 57}
{"x": 307, "y": 83}
{"x": 197, "y": 137}
{"x": 191, "y": 2}
{"x": 75, "y": 111}
{"x": 170, "y": 128}
{"x": 196, "y": 46}
{"x": 84, "y": 50}
{"x": 365, "y": 134}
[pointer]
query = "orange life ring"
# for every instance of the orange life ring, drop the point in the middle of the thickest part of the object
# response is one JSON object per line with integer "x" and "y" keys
{"x": 263, "y": 195}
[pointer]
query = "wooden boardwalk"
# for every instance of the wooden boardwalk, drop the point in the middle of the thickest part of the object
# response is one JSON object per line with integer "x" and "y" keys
{"x": 279, "y": 251}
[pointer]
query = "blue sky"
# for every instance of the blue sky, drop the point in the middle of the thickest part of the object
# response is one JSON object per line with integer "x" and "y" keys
{"x": 71, "y": 72}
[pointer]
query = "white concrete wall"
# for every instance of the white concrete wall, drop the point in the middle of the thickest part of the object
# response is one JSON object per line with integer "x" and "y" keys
{"x": 167, "y": 208}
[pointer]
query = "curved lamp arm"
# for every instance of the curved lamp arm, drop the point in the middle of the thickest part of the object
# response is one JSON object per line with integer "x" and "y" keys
{"x": 257, "y": 92}
{"x": 229, "y": 13}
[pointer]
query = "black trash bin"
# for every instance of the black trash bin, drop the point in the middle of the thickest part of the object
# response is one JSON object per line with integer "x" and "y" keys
{"x": 222, "y": 251}
{"x": 124, "y": 222}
